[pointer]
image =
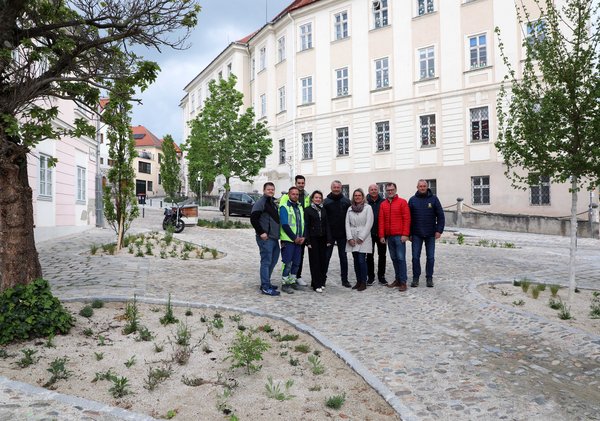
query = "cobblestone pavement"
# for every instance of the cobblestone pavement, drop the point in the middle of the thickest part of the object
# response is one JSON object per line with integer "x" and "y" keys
{"x": 445, "y": 352}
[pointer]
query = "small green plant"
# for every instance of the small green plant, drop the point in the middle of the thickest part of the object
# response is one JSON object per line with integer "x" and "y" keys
{"x": 316, "y": 365}
{"x": 110, "y": 248}
{"x": 139, "y": 252}
{"x": 188, "y": 247}
{"x": 303, "y": 348}
{"x": 235, "y": 318}
{"x": 171, "y": 414}
{"x": 188, "y": 312}
{"x": 132, "y": 315}
{"x": 335, "y": 401}
{"x": 28, "y": 358}
{"x": 168, "y": 318}
{"x": 214, "y": 253}
{"x": 541, "y": 287}
{"x": 460, "y": 239}
{"x": 554, "y": 289}
{"x": 516, "y": 283}
{"x": 317, "y": 352}
{"x": 565, "y": 313}
{"x": 163, "y": 254}
{"x": 97, "y": 303}
{"x": 535, "y": 293}
{"x": 101, "y": 340}
{"x": 185, "y": 255}
{"x": 595, "y": 305}
{"x": 266, "y": 328}
{"x": 4, "y": 353}
{"x": 241, "y": 327}
{"x": 50, "y": 341}
{"x": 130, "y": 249}
{"x": 99, "y": 356}
{"x": 315, "y": 388}
{"x": 555, "y": 304}
{"x": 222, "y": 404}
{"x": 294, "y": 362}
{"x": 519, "y": 303}
{"x": 203, "y": 319}
{"x": 58, "y": 371}
{"x": 93, "y": 249}
{"x": 149, "y": 249}
{"x": 156, "y": 376}
{"x": 274, "y": 390}
{"x": 130, "y": 362}
{"x": 159, "y": 347}
{"x": 217, "y": 322}
{"x": 144, "y": 334}
{"x": 120, "y": 387}
{"x": 169, "y": 234}
{"x": 86, "y": 311}
{"x": 104, "y": 375}
{"x": 504, "y": 293}
{"x": 288, "y": 337}
{"x": 192, "y": 381}
{"x": 183, "y": 335}
{"x": 88, "y": 332}
{"x": 508, "y": 245}
{"x": 525, "y": 285}
{"x": 245, "y": 350}
{"x": 483, "y": 243}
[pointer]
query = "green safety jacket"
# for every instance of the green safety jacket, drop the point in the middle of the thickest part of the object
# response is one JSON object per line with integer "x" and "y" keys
{"x": 287, "y": 217}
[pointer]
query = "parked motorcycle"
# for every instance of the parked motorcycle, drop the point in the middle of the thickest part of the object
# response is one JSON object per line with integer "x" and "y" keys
{"x": 173, "y": 218}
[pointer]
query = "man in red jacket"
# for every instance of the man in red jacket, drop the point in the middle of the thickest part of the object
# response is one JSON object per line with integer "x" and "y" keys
{"x": 394, "y": 229}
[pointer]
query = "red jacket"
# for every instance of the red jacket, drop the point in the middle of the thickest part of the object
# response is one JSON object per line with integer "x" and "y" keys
{"x": 394, "y": 217}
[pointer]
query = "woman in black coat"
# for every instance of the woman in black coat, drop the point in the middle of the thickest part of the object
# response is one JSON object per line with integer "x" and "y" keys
{"x": 318, "y": 238}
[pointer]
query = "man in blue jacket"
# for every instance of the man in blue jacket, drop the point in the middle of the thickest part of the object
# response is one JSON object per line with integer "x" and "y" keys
{"x": 427, "y": 225}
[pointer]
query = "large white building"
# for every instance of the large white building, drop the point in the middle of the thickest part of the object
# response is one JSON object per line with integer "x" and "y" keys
{"x": 370, "y": 91}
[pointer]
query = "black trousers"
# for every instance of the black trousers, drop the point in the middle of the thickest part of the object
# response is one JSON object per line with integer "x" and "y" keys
{"x": 381, "y": 250}
{"x": 299, "y": 274}
{"x": 317, "y": 259}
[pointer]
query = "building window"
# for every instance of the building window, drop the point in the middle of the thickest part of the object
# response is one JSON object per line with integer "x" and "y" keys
{"x": 307, "y": 146}
{"x": 111, "y": 162}
{"x": 220, "y": 75}
{"x": 478, "y": 51}
{"x": 306, "y": 84}
{"x": 101, "y": 137}
{"x": 343, "y": 141}
{"x": 381, "y": 188}
{"x": 346, "y": 190}
{"x": 536, "y": 31}
{"x": 281, "y": 151}
{"x": 144, "y": 167}
{"x": 263, "y": 105}
{"x": 432, "y": 184}
{"x": 380, "y": 13}
{"x": 159, "y": 179}
{"x": 424, "y": 7}
{"x": 149, "y": 184}
{"x": 306, "y": 36}
{"x": 229, "y": 72}
{"x": 540, "y": 193}
{"x": 193, "y": 101}
{"x": 341, "y": 25}
{"x": 341, "y": 81}
{"x": 262, "y": 59}
{"x": 427, "y": 124}
{"x": 382, "y": 72}
{"x": 81, "y": 184}
{"x": 45, "y": 176}
{"x": 382, "y": 138}
{"x": 280, "y": 49}
{"x": 480, "y": 190}
{"x": 480, "y": 124}
{"x": 281, "y": 94}
{"x": 101, "y": 161}
{"x": 426, "y": 63}
{"x": 252, "y": 68}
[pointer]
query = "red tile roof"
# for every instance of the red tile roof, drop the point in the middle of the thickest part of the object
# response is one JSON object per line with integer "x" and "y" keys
{"x": 144, "y": 137}
{"x": 103, "y": 102}
{"x": 247, "y": 38}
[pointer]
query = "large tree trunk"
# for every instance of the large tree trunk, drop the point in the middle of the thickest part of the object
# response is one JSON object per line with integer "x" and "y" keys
{"x": 573, "y": 248}
{"x": 19, "y": 263}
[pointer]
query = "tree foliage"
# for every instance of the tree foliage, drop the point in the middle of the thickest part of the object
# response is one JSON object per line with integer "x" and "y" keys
{"x": 170, "y": 169}
{"x": 224, "y": 141}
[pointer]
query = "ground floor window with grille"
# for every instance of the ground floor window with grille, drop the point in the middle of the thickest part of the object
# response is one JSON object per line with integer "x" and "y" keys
{"x": 427, "y": 130}
{"x": 343, "y": 141}
{"x": 81, "y": 184}
{"x": 480, "y": 190}
{"x": 281, "y": 151}
{"x": 346, "y": 190}
{"x": 540, "y": 193}
{"x": 382, "y": 130}
{"x": 144, "y": 167}
{"x": 46, "y": 171}
{"x": 307, "y": 146}
{"x": 432, "y": 184}
{"x": 480, "y": 124}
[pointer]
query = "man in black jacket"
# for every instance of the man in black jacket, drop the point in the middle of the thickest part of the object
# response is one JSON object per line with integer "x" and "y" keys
{"x": 336, "y": 205}
{"x": 374, "y": 199}
{"x": 427, "y": 225}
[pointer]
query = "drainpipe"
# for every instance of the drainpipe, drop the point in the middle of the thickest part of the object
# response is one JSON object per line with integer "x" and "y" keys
{"x": 294, "y": 87}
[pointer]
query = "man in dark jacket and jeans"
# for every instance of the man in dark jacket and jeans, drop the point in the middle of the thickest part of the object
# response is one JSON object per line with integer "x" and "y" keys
{"x": 265, "y": 220}
{"x": 427, "y": 225}
{"x": 374, "y": 199}
{"x": 336, "y": 205}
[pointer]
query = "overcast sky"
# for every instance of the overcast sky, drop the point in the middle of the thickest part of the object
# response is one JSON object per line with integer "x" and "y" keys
{"x": 219, "y": 23}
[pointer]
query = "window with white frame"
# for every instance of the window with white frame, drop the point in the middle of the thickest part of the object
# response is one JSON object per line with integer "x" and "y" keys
{"x": 341, "y": 25}
{"x": 262, "y": 59}
{"x": 307, "y": 145}
{"x": 81, "y": 184}
{"x": 306, "y": 86}
{"x": 480, "y": 124}
{"x": 478, "y": 51}
{"x": 536, "y": 31}
{"x": 280, "y": 49}
{"x": 480, "y": 190}
{"x": 380, "y": 13}
{"x": 46, "y": 171}
{"x": 144, "y": 167}
{"x": 382, "y": 136}
{"x": 263, "y": 105}
{"x": 281, "y": 96}
{"x": 427, "y": 124}
{"x": 305, "y": 36}
{"x": 149, "y": 185}
{"x": 341, "y": 81}
{"x": 432, "y": 184}
{"x": 382, "y": 73}
{"x": 424, "y": 7}
{"x": 281, "y": 151}
{"x": 540, "y": 193}
{"x": 343, "y": 141}
{"x": 220, "y": 75}
{"x": 426, "y": 63}
{"x": 346, "y": 191}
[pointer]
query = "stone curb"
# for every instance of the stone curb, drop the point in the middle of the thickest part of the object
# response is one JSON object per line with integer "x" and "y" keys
{"x": 405, "y": 412}
{"x": 73, "y": 401}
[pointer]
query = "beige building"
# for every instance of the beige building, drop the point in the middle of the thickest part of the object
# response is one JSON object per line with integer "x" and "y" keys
{"x": 370, "y": 91}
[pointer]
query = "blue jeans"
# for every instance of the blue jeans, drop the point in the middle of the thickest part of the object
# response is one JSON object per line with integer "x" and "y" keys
{"x": 397, "y": 251}
{"x": 290, "y": 256}
{"x": 417, "y": 245}
{"x": 269, "y": 254}
{"x": 341, "y": 247}
{"x": 360, "y": 266}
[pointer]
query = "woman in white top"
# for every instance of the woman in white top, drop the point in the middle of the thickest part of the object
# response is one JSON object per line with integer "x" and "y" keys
{"x": 359, "y": 220}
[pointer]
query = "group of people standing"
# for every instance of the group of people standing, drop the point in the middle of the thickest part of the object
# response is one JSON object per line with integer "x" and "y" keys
{"x": 356, "y": 226}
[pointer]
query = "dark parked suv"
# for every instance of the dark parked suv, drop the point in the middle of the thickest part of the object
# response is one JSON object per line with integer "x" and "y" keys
{"x": 240, "y": 203}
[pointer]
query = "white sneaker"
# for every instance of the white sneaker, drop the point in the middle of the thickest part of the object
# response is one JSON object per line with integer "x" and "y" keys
{"x": 301, "y": 282}
{"x": 319, "y": 290}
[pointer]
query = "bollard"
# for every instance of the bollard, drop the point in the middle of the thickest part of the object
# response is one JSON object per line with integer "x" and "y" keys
{"x": 143, "y": 211}
{"x": 161, "y": 203}
{"x": 459, "y": 206}
{"x": 150, "y": 202}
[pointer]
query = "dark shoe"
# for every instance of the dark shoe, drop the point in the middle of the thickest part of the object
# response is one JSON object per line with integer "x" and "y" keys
{"x": 361, "y": 286}
{"x": 383, "y": 282}
{"x": 355, "y": 286}
{"x": 270, "y": 291}
{"x": 346, "y": 284}
{"x": 414, "y": 283}
{"x": 295, "y": 286}
{"x": 403, "y": 287}
{"x": 287, "y": 289}
{"x": 370, "y": 282}
{"x": 430, "y": 282}
{"x": 394, "y": 284}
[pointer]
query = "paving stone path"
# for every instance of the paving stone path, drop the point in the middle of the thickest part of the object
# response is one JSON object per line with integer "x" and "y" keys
{"x": 445, "y": 352}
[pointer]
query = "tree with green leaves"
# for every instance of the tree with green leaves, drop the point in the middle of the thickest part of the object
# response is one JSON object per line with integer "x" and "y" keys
{"x": 224, "y": 141}
{"x": 65, "y": 50}
{"x": 120, "y": 202}
{"x": 549, "y": 115}
{"x": 170, "y": 168}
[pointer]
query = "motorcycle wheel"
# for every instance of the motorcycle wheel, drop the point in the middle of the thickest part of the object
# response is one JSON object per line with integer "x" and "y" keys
{"x": 165, "y": 225}
{"x": 179, "y": 226}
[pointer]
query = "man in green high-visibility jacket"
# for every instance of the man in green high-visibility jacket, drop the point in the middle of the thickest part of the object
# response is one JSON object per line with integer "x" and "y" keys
{"x": 291, "y": 220}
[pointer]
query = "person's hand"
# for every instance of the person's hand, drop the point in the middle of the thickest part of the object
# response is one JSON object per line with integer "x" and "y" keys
{"x": 298, "y": 240}
{"x": 309, "y": 246}
{"x": 437, "y": 235}
{"x": 352, "y": 243}
{"x": 382, "y": 240}
{"x": 359, "y": 241}
{"x": 264, "y": 236}
{"x": 404, "y": 238}
{"x": 328, "y": 245}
